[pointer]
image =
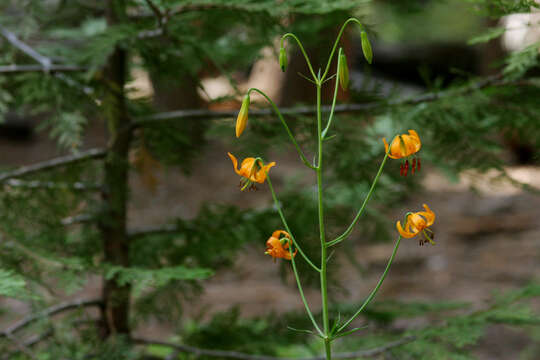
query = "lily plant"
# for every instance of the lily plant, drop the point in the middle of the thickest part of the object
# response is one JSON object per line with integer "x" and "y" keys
{"x": 282, "y": 243}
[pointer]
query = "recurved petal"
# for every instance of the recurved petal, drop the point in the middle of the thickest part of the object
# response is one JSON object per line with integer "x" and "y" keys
{"x": 428, "y": 214}
{"x": 414, "y": 134}
{"x": 277, "y": 234}
{"x": 260, "y": 176}
{"x": 405, "y": 234}
{"x": 416, "y": 140}
{"x": 390, "y": 154}
{"x": 235, "y": 163}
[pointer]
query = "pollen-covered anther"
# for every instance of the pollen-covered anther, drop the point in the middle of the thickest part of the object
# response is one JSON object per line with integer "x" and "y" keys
{"x": 413, "y": 167}
{"x": 406, "y": 168}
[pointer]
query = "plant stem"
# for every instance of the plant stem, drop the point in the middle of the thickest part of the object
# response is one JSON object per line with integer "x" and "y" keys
{"x": 347, "y": 232}
{"x": 374, "y": 292}
{"x": 308, "y": 310}
{"x": 302, "y": 50}
{"x": 324, "y": 287}
{"x": 336, "y": 42}
{"x": 331, "y": 116}
{"x": 282, "y": 216}
{"x": 291, "y": 136}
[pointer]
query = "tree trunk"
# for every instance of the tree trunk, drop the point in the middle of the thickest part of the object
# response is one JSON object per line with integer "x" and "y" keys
{"x": 112, "y": 222}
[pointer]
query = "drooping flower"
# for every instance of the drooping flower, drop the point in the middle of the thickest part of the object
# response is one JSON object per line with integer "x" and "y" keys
{"x": 418, "y": 223}
{"x": 251, "y": 170}
{"x": 277, "y": 245}
{"x": 241, "y": 120}
{"x": 405, "y": 146}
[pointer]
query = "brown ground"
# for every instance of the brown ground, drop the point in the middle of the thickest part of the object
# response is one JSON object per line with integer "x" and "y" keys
{"x": 486, "y": 240}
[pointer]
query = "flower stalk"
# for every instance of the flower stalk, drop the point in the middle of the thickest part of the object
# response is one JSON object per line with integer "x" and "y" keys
{"x": 282, "y": 244}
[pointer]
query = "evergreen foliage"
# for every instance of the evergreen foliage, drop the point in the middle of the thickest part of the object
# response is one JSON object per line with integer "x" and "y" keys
{"x": 50, "y": 240}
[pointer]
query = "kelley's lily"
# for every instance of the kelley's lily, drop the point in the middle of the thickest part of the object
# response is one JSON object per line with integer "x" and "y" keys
{"x": 404, "y": 146}
{"x": 251, "y": 170}
{"x": 277, "y": 245}
{"x": 418, "y": 223}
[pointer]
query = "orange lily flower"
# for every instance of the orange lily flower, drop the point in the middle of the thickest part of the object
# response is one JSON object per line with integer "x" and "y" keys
{"x": 404, "y": 146}
{"x": 416, "y": 223}
{"x": 277, "y": 245}
{"x": 252, "y": 171}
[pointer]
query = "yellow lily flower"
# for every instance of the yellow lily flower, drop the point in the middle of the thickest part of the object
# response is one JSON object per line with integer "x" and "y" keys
{"x": 416, "y": 223}
{"x": 277, "y": 245}
{"x": 404, "y": 146}
{"x": 252, "y": 171}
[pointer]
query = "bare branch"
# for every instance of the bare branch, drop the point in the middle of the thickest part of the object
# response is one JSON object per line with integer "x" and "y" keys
{"x": 496, "y": 80}
{"x": 46, "y": 64}
{"x": 243, "y": 356}
{"x": 14, "y": 40}
{"x": 78, "y": 219}
{"x": 14, "y": 68}
{"x": 80, "y": 186}
{"x": 53, "y": 163}
{"x": 156, "y": 12}
{"x": 157, "y": 230}
{"x": 53, "y": 310}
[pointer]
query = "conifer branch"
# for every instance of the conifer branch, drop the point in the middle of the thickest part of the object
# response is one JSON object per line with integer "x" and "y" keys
{"x": 14, "y": 68}
{"x": 48, "y": 312}
{"x": 53, "y": 163}
{"x": 243, "y": 356}
{"x": 156, "y": 11}
{"x": 45, "y": 62}
{"x": 29, "y": 343}
{"x": 35, "y": 184}
{"x": 496, "y": 80}
{"x": 21, "y": 347}
{"x": 78, "y": 219}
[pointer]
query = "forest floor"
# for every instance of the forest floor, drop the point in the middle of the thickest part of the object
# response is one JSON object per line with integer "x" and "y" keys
{"x": 488, "y": 240}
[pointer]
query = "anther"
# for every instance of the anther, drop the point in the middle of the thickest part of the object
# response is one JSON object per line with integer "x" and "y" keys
{"x": 406, "y": 168}
{"x": 401, "y": 169}
{"x": 418, "y": 164}
{"x": 413, "y": 165}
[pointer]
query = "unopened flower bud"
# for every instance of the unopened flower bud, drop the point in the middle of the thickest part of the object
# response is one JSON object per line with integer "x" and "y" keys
{"x": 366, "y": 47}
{"x": 343, "y": 72}
{"x": 282, "y": 59}
{"x": 241, "y": 120}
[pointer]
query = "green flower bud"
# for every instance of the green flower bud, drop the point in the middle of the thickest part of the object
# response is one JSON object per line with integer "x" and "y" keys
{"x": 282, "y": 59}
{"x": 366, "y": 47}
{"x": 343, "y": 72}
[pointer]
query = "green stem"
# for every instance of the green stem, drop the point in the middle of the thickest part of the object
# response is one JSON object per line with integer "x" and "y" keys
{"x": 351, "y": 227}
{"x": 303, "y": 52}
{"x": 291, "y": 136}
{"x": 276, "y": 202}
{"x": 374, "y": 292}
{"x": 337, "y": 41}
{"x": 282, "y": 216}
{"x": 324, "y": 285}
{"x": 331, "y": 116}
